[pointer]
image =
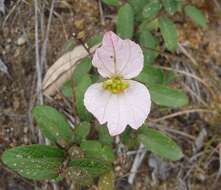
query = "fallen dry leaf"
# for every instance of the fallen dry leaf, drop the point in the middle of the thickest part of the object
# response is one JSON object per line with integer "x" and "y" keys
{"x": 63, "y": 68}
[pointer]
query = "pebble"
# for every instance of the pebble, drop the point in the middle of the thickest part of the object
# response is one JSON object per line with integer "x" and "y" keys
{"x": 21, "y": 40}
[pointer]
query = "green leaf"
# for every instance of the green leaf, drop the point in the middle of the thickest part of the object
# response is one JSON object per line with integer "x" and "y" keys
{"x": 169, "y": 33}
{"x": 104, "y": 136}
{"x": 165, "y": 96}
{"x": 34, "y": 161}
{"x": 196, "y": 15}
{"x": 125, "y": 21}
{"x": 67, "y": 89}
{"x": 126, "y": 137}
{"x": 111, "y": 2}
{"x": 81, "y": 131}
{"x": 79, "y": 176}
{"x": 81, "y": 70}
{"x": 151, "y": 9}
{"x": 169, "y": 76}
{"x": 149, "y": 45}
{"x": 53, "y": 124}
{"x": 159, "y": 143}
{"x": 79, "y": 96}
{"x": 94, "y": 40}
{"x": 137, "y": 6}
{"x": 149, "y": 25}
{"x": 94, "y": 149}
{"x": 106, "y": 181}
{"x": 94, "y": 167}
{"x": 172, "y": 6}
{"x": 151, "y": 75}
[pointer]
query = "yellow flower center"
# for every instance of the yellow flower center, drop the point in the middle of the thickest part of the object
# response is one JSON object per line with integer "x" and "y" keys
{"x": 115, "y": 85}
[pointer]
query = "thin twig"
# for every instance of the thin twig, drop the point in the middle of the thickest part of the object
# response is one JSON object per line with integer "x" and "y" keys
{"x": 219, "y": 171}
{"x": 37, "y": 57}
{"x": 101, "y": 12}
{"x": 191, "y": 137}
{"x": 194, "y": 94}
{"x": 189, "y": 75}
{"x": 42, "y": 60}
{"x": 45, "y": 43}
{"x": 217, "y": 4}
{"x": 179, "y": 113}
{"x": 186, "y": 53}
{"x": 10, "y": 13}
{"x": 38, "y": 65}
{"x": 184, "y": 73}
{"x": 137, "y": 162}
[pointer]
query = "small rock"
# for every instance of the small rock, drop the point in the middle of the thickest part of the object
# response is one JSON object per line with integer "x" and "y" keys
{"x": 2, "y": 6}
{"x": 161, "y": 168}
{"x": 3, "y": 67}
{"x": 21, "y": 40}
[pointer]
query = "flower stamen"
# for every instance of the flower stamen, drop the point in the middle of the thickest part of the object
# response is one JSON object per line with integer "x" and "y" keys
{"x": 115, "y": 85}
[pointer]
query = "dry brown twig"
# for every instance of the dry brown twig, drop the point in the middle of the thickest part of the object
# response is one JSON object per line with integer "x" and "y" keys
{"x": 187, "y": 54}
{"x": 169, "y": 116}
{"x": 45, "y": 43}
{"x": 217, "y": 4}
{"x": 101, "y": 12}
{"x": 136, "y": 164}
{"x": 219, "y": 171}
{"x": 10, "y": 12}
{"x": 186, "y": 74}
{"x": 41, "y": 58}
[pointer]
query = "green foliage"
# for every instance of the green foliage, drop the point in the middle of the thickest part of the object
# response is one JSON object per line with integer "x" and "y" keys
{"x": 79, "y": 176}
{"x": 93, "y": 167}
{"x": 104, "y": 136}
{"x": 125, "y": 21}
{"x": 111, "y": 2}
{"x": 172, "y": 6}
{"x": 81, "y": 70}
{"x": 151, "y": 75}
{"x": 196, "y": 15}
{"x": 151, "y": 9}
{"x": 149, "y": 45}
{"x": 149, "y": 25}
{"x": 169, "y": 33}
{"x": 106, "y": 181}
{"x": 81, "y": 131}
{"x": 159, "y": 144}
{"x": 81, "y": 87}
{"x": 94, "y": 40}
{"x": 67, "y": 89}
{"x": 34, "y": 161}
{"x": 53, "y": 124}
{"x": 138, "y": 6}
{"x": 166, "y": 96}
{"x": 94, "y": 149}
{"x": 126, "y": 137}
{"x": 168, "y": 77}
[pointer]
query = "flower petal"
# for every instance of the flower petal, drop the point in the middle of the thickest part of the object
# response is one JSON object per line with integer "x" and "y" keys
{"x": 119, "y": 110}
{"x": 137, "y": 104}
{"x": 118, "y": 57}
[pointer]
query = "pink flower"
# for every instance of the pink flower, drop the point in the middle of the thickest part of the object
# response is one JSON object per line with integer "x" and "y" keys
{"x": 118, "y": 101}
